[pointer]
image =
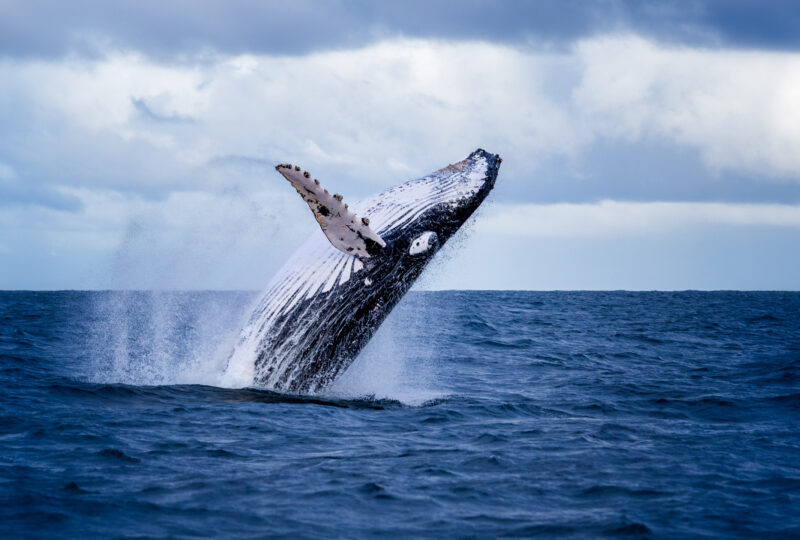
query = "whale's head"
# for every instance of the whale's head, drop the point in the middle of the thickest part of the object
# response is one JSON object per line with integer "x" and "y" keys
{"x": 416, "y": 218}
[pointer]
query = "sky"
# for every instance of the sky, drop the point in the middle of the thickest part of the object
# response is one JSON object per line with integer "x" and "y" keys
{"x": 646, "y": 145}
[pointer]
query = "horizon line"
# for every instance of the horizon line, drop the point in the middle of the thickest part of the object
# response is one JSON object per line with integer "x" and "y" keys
{"x": 254, "y": 291}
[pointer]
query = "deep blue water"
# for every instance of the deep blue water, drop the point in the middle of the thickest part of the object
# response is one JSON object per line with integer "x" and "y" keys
{"x": 471, "y": 414}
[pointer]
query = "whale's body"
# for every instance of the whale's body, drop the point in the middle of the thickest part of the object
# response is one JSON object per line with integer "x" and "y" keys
{"x": 324, "y": 305}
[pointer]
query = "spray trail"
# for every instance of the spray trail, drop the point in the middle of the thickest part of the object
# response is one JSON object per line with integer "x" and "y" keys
{"x": 157, "y": 337}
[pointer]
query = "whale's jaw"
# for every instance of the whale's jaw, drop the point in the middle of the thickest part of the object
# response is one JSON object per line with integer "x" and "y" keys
{"x": 323, "y": 306}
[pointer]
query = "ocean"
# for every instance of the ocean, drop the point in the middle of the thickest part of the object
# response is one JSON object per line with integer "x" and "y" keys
{"x": 470, "y": 414}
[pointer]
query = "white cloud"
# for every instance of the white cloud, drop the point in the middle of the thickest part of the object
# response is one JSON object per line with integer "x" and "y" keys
{"x": 739, "y": 108}
{"x": 380, "y": 113}
{"x": 628, "y": 219}
{"x": 111, "y": 129}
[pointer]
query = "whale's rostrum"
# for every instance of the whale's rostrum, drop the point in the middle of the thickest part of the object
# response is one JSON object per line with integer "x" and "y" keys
{"x": 329, "y": 298}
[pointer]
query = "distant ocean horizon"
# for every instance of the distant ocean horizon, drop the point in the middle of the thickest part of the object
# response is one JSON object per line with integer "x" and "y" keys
{"x": 629, "y": 414}
{"x": 256, "y": 291}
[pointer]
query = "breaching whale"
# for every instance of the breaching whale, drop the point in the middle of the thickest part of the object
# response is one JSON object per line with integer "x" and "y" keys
{"x": 330, "y": 297}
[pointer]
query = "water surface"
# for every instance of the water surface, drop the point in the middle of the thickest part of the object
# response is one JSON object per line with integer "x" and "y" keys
{"x": 578, "y": 414}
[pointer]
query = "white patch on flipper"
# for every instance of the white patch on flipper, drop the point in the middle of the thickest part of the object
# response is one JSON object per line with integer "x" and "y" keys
{"x": 343, "y": 228}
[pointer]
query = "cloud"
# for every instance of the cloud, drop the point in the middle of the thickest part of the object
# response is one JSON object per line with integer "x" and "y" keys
{"x": 20, "y": 195}
{"x": 615, "y": 117}
{"x": 148, "y": 113}
{"x": 616, "y": 219}
{"x": 736, "y": 107}
{"x": 6, "y": 172}
{"x": 624, "y": 245}
{"x": 370, "y": 117}
{"x": 14, "y": 193}
{"x": 192, "y": 28}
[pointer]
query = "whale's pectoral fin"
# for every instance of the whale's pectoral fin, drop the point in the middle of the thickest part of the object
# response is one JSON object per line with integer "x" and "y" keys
{"x": 346, "y": 231}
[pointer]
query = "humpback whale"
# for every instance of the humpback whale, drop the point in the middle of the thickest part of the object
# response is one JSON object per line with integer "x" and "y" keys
{"x": 330, "y": 297}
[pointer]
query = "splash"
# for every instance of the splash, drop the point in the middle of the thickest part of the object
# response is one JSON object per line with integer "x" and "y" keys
{"x": 397, "y": 364}
{"x": 157, "y": 337}
{"x": 146, "y": 338}
{"x": 160, "y": 337}
{"x": 145, "y": 333}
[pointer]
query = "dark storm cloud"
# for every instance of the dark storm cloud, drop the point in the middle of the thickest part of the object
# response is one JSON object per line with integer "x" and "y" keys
{"x": 188, "y": 27}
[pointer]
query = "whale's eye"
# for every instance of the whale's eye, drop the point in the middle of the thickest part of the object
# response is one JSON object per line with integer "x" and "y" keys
{"x": 423, "y": 243}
